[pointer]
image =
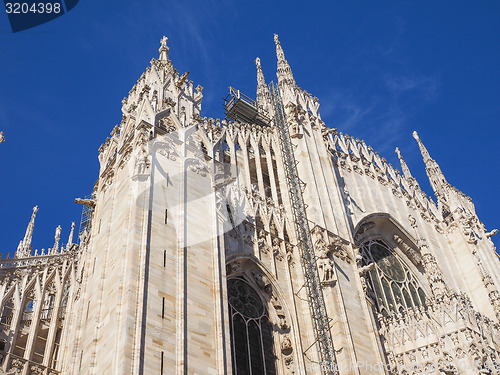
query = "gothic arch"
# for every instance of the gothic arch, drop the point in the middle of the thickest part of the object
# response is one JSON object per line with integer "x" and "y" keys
{"x": 396, "y": 280}
{"x": 249, "y": 270}
{"x": 385, "y": 226}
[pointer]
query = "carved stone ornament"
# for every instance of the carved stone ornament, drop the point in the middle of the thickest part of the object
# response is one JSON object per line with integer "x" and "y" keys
{"x": 338, "y": 249}
{"x": 365, "y": 227}
{"x": 409, "y": 251}
{"x": 295, "y": 130}
{"x": 282, "y": 323}
{"x": 262, "y": 243}
{"x": 277, "y": 249}
{"x": 325, "y": 263}
{"x": 17, "y": 364}
{"x": 289, "y": 253}
{"x": 262, "y": 281}
{"x": 233, "y": 267}
{"x": 286, "y": 346}
{"x": 36, "y": 370}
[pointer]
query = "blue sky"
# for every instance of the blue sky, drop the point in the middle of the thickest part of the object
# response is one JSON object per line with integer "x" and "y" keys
{"x": 380, "y": 70}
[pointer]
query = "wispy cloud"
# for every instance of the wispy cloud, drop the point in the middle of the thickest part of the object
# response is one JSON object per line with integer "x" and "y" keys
{"x": 425, "y": 86}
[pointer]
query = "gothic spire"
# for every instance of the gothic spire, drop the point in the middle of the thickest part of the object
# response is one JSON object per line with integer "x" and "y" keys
{"x": 436, "y": 177}
{"x": 404, "y": 167}
{"x": 284, "y": 73}
{"x": 24, "y": 248}
{"x": 263, "y": 95}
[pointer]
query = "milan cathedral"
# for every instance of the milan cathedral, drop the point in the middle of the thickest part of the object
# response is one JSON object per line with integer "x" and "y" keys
{"x": 265, "y": 243}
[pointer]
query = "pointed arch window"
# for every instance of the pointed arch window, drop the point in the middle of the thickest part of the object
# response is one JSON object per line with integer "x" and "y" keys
{"x": 7, "y": 312}
{"x": 251, "y": 332}
{"x": 393, "y": 284}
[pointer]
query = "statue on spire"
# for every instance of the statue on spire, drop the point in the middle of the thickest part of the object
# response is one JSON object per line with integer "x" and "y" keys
{"x": 164, "y": 41}
{"x": 163, "y": 49}
{"x": 57, "y": 237}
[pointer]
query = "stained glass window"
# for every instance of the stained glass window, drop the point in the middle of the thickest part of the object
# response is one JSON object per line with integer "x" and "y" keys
{"x": 251, "y": 332}
{"x": 393, "y": 284}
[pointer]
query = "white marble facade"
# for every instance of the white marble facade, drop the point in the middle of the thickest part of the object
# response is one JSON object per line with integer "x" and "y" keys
{"x": 191, "y": 263}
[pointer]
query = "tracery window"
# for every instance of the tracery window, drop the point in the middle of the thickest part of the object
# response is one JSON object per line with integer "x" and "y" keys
{"x": 7, "y": 312}
{"x": 251, "y": 332}
{"x": 393, "y": 284}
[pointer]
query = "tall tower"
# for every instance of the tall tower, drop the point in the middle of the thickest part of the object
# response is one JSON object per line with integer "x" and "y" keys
{"x": 152, "y": 293}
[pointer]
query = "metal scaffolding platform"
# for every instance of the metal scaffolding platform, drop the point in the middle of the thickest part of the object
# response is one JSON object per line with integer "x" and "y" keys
{"x": 86, "y": 219}
{"x": 241, "y": 108}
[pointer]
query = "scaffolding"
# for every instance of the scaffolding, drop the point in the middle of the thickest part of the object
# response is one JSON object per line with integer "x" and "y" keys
{"x": 86, "y": 219}
{"x": 314, "y": 291}
{"x": 241, "y": 108}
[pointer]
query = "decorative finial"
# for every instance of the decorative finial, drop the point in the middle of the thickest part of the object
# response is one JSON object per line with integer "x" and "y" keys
{"x": 276, "y": 40}
{"x": 257, "y": 62}
{"x": 415, "y": 135}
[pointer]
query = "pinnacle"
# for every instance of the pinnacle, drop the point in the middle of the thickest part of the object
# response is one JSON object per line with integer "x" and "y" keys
{"x": 404, "y": 167}
{"x": 284, "y": 72}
